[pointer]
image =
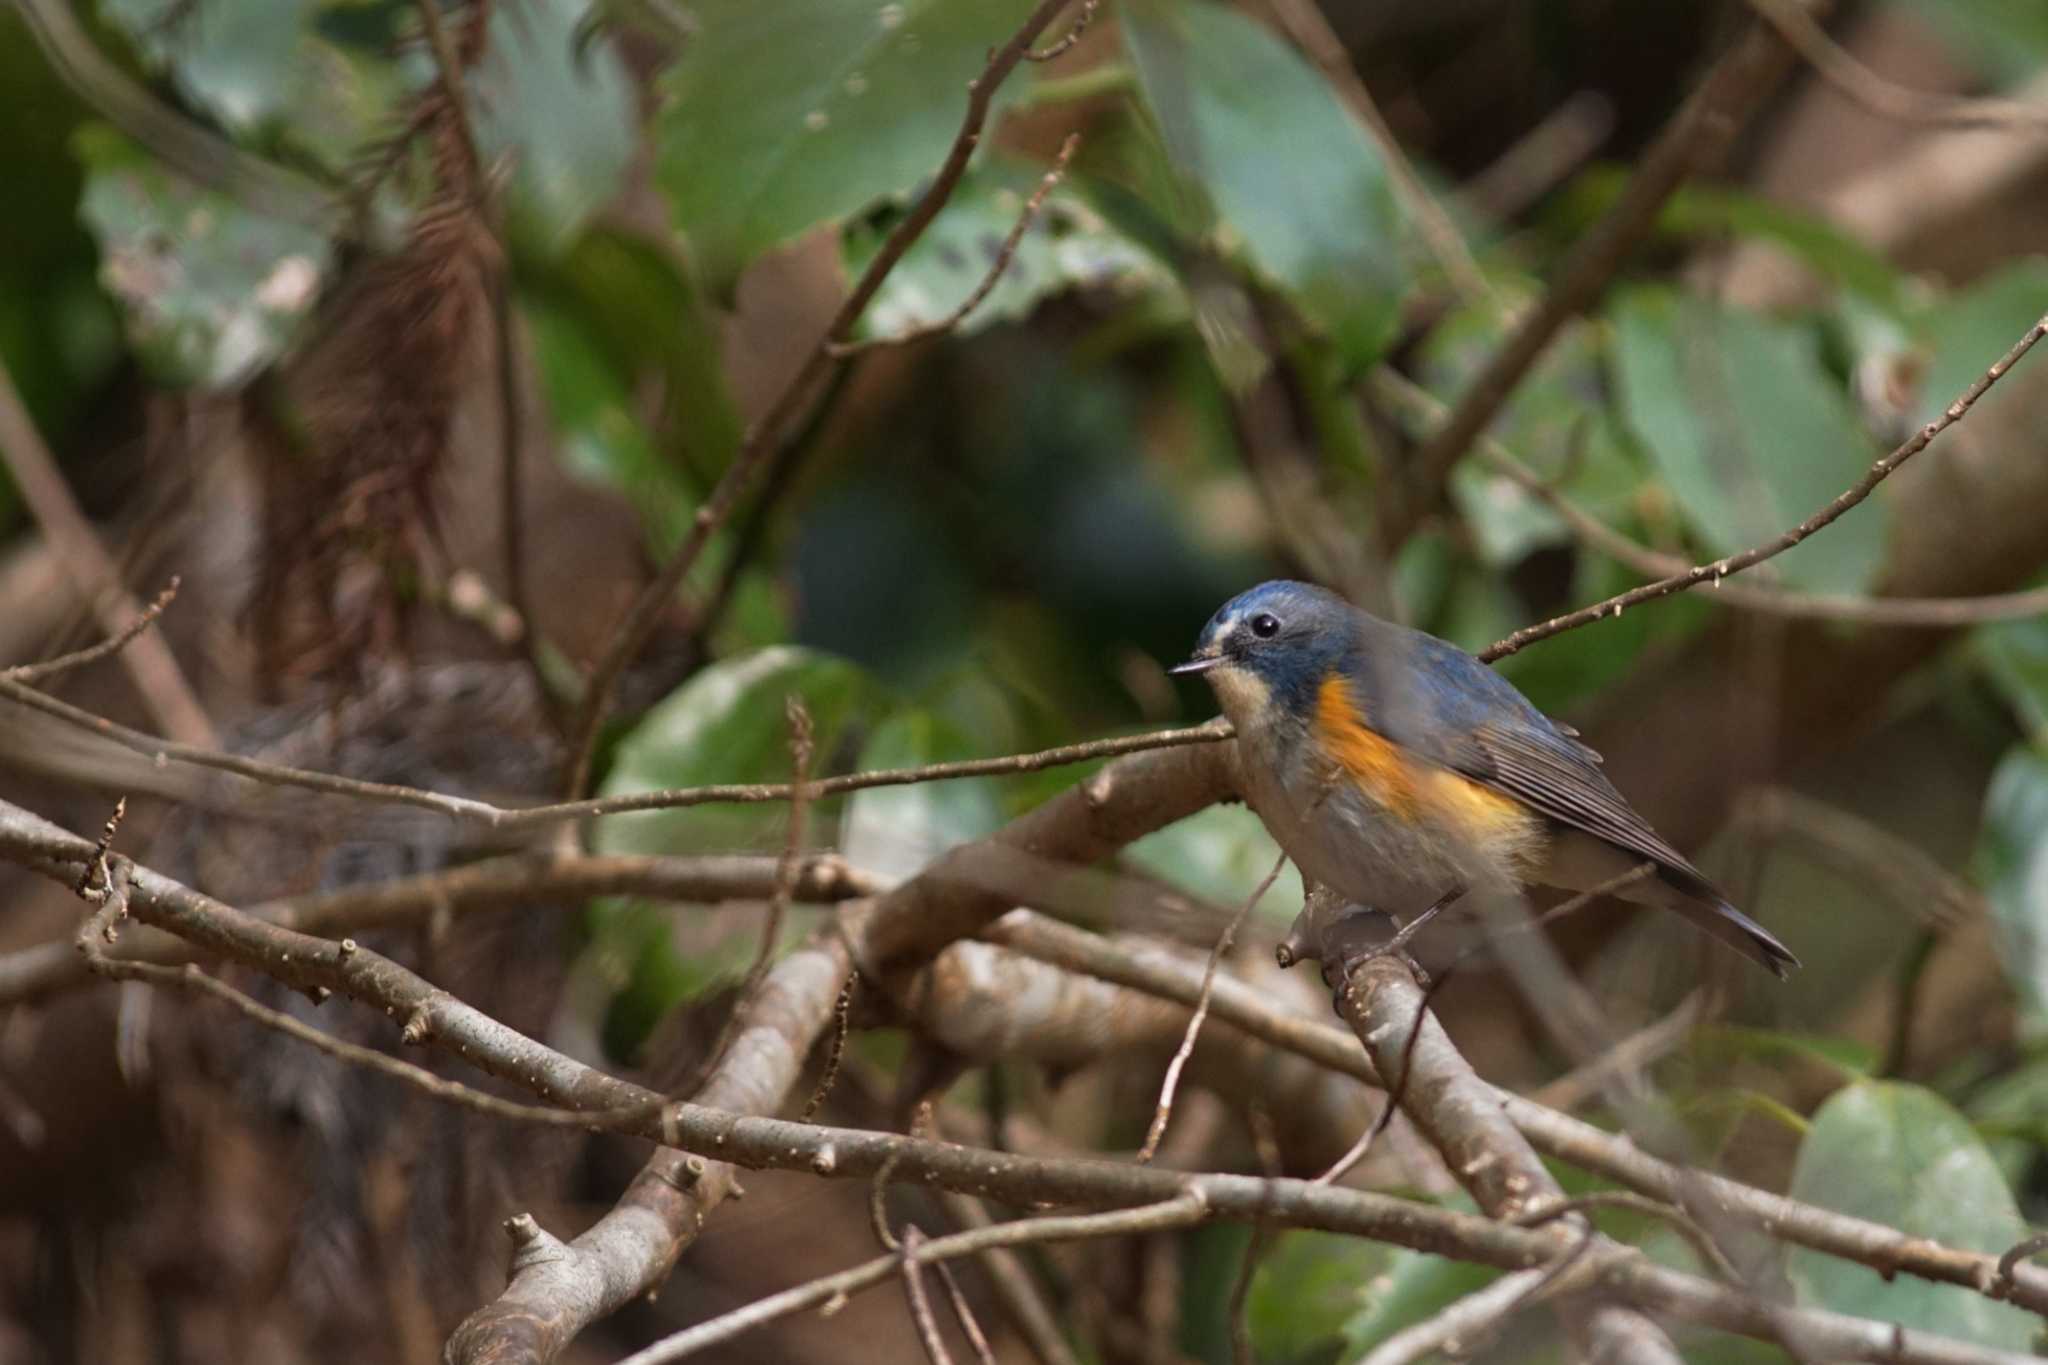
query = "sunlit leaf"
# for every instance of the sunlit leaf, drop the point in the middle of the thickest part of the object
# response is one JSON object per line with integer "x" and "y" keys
{"x": 2012, "y": 867}
{"x": 729, "y": 724}
{"x": 1900, "y": 1156}
{"x": 1749, "y": 431}
{"x": 1294, "y": 177}
{"x": 893, "y": 832}
{"x": 780, "y": 117}
{"x": 565, "y": 119}
{"x": 1068, "y": 246}
{"x": 210, "y": 292}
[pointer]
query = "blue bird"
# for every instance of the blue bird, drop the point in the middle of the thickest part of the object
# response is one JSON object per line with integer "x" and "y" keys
{"x": 1399, "y": 771}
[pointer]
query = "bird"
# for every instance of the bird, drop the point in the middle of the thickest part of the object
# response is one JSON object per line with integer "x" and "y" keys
{"x": 1400, "y": 771}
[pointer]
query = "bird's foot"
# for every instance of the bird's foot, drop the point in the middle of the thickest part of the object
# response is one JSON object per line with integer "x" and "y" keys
{"x": 1344, "y": 937}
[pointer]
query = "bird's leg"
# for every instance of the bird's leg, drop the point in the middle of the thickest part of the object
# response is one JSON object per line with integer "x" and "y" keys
{"x": 1353, "y": 949}
{"x": 1399, "y": 942}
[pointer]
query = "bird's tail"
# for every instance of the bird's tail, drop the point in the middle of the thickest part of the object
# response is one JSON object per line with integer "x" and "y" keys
{"x": 1714, "y": 914}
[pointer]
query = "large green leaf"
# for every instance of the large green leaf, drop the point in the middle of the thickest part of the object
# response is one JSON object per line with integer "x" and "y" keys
{"x": 1749, "y": 431}
{"x": 210, "y": 291}
{"x": 1069, "y": 245}
{"x": 1899, "y": 1155}
{"x": 565, "y": 117}
{"x": 893, "y": 832}
{"x": 1412, "y": 1286}
{"x": 782, "y": 116}
{"x": 2009, "y": 38}
{"x": 728, "y": 724}
{"x": 1294, "y": 177}
{"x": 2012, "y": 866}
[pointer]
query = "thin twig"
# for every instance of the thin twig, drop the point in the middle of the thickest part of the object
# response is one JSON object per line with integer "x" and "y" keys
{"x": 1398, "y": 390}
{"x": 1699, "y": 133}
{"x": 921, "y": 1314}
{"x": 159, "y": 682}
{"x": 842, "y": 1023}
{"x": 963, "y": 1313}
{"x": 113, "y": 644}
{"x": 1888, "y": 99}
{"x": 801, "y": 747}
{"x": 472, "y": 811}
{"x": 448, "y": 68}
{"x": 1012, "y": 1281}
{"x": 1163, "y": 1114}
{"x": 1007, "y": 252}
{"x": 1183, "y": 1211}
{"x": 763, "y": 436}
{"x": 1072, "y": 36}
{"x": 1841, "y": 503}
{"x": 1703, "y": 1245}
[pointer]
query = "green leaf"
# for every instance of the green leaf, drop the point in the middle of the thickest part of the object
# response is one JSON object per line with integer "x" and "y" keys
{"x": 1294, "y": 177}
{"x": 1307, "y": 1287}
{"x": 780, "y": 117}
{"x": 894, "y": 832}
{"x": 1749, "y": 431}
{"x": 2015, "y": 655}
{"x": 210, "y": 292}
{"x": 2009, "y": 38}
{"x": 1899, "y": 1155}
{"x": 728, "y": 724}
{"x": 1220, "y": 854}
{"x": 1068, "y": 246}
{"x": 2012, "y": 867}
{"x": 565, "y": 118}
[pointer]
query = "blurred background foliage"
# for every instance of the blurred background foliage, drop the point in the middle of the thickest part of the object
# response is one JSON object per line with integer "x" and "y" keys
{"x": 994, "y": 540}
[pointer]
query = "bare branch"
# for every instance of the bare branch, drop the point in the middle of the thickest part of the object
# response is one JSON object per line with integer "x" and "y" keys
{"x": 1461, "y": 1322}
{"x": 1163, "y": 1114}
{"x": 113, "y": 644}
{"x": 1004, "y": 255}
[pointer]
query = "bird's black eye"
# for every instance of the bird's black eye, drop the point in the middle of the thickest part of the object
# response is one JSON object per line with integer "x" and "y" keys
{"x": 1265, "y": 625}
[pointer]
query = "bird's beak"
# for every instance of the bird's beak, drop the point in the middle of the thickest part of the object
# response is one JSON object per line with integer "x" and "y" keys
{"x": 1198, "y": 665}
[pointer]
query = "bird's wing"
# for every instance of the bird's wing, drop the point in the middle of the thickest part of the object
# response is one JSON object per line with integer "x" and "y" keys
{"x": 1557, "y": 776}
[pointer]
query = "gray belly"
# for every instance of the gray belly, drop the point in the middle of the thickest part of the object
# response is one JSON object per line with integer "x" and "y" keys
{"x": 1340, "y": 837}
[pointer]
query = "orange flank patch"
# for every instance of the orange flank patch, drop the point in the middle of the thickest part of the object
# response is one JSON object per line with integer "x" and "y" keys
{"x": 1416, "y": 788}
{"x": 1374, "y": 762}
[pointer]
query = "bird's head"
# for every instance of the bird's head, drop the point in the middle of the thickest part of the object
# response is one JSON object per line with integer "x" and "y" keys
{"x": 1272, "y": 646}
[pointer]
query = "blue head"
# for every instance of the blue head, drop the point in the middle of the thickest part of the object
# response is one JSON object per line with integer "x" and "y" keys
{"x": 1272, "y": 646}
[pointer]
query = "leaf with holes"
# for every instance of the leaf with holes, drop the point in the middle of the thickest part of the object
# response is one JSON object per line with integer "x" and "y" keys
{"x": 1068, "y": 246}
{"x": 210, "y": 292}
